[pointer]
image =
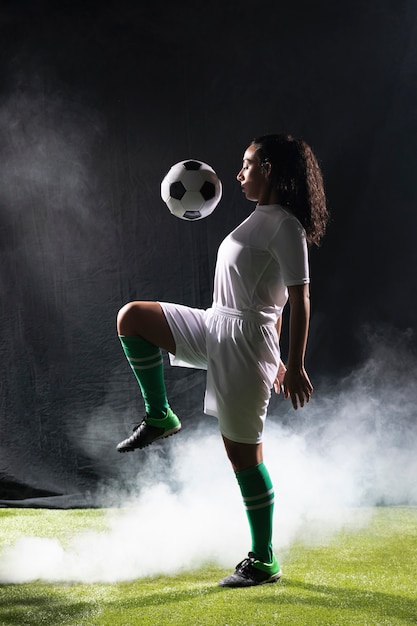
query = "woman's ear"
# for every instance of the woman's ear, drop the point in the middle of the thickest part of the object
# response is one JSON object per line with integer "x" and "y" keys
{"x": 266, "y": 168}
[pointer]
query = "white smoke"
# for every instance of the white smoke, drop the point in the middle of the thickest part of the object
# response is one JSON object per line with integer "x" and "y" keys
{"x": 349, "y": 450}
{"x": 352, "y": 448}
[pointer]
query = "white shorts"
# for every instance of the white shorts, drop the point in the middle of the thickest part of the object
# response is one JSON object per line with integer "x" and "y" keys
{"x": 241, "y": 355}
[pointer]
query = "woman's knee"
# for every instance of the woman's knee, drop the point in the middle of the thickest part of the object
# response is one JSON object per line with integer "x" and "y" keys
{"x": 146, "y": 320}
{"x": 243, "y": 455}
{"x": 128, "y": 319}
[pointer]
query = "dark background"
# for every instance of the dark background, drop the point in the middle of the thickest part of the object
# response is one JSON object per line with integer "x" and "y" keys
{"x": 97, "y": 101}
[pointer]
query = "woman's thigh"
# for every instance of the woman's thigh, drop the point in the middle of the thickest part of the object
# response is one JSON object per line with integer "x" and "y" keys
{"x": 188, "y": 327}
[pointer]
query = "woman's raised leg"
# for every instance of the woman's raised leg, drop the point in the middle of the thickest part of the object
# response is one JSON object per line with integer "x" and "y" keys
{"x": 143, "y": 330}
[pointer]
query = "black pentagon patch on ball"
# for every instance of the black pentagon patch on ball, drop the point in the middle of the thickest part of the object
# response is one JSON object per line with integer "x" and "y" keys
{"x": 192, "y": 215}
{"x": 208, "y": 190}
{"x": 192, "y": 165}
{"x": 177, "y": 190}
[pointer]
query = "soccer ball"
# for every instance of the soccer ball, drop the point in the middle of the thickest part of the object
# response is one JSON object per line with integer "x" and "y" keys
{"x": 191, "y": 190}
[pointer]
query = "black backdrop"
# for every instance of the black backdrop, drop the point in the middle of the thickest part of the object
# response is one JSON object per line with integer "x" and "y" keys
{"x": 97, "y": 101}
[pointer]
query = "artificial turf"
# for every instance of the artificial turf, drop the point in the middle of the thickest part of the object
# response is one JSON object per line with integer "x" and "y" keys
{"x": 358, "y": 577}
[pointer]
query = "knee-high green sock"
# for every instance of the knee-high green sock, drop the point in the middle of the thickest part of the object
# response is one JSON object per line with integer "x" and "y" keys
{"x": 258, "y": 497}
{"x": 147, "y": 364}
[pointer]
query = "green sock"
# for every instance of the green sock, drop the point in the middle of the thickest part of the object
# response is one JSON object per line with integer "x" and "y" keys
{"x": 147, "y": 364}
{"x": 258, "y": 497}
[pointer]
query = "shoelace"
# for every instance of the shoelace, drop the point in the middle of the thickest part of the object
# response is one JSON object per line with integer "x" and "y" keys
{"x": 245, "y": 564}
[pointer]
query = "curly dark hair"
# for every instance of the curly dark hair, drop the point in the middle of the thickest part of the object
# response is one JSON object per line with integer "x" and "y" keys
{"x": 297, "y": 177}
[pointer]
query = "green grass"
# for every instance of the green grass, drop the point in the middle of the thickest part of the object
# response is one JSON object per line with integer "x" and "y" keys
{"x": 364, "y": 577}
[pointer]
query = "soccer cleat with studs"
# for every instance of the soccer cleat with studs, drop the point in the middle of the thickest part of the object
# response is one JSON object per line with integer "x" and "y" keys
{"x": 251, "y": 572}
{"x": 150, "y": 430}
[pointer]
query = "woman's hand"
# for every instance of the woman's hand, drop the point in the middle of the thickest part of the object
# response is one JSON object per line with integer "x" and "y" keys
{"x": 297, "y": 386}
{"x": 279, "y": 380}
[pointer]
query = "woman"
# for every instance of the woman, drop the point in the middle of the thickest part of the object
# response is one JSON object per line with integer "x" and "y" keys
{"x": 260, "y": 265}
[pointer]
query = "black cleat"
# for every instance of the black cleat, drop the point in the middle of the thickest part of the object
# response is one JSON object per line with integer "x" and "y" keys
{"x": 251, "y": 572}
{"x": 150, "y": 430}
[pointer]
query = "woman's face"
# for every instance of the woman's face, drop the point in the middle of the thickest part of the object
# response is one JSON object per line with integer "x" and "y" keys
{"x": 254, "y": 179}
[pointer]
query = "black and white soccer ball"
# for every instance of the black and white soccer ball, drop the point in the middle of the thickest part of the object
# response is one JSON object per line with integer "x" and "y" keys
{"x": 191, "y": 190}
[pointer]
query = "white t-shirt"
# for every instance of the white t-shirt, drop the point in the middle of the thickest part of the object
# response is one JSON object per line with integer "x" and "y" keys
{"x": 259, "y": 259}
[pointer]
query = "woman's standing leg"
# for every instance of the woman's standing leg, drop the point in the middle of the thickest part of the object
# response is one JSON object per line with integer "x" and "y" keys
{"x": 257, "y": 491}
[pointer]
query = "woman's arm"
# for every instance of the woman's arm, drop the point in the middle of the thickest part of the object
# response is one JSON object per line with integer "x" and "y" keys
{"x": 279, "y": 379}
{"x": 278, "y": 326}
{"x": 297, "y": 385}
